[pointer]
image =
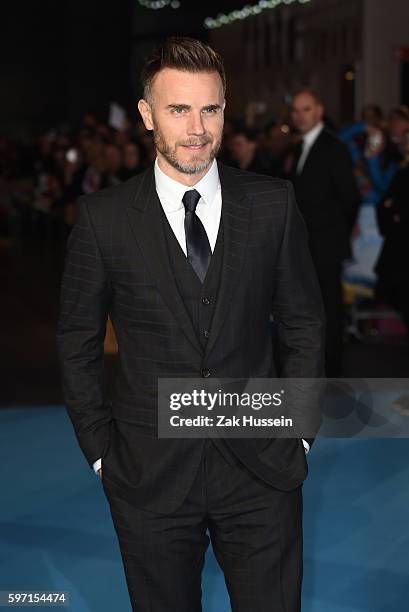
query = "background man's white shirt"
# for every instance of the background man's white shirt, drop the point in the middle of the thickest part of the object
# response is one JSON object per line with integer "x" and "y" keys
{"x": 308, "y": 140}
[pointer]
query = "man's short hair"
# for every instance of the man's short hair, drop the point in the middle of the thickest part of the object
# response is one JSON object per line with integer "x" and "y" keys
{"x": 181, "y": 53}
{"x": 311, "y": 92}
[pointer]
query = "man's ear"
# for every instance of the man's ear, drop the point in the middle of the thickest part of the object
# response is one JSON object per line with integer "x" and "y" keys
{"x": 146, "y": 114}
{"x": 321, "y": 111}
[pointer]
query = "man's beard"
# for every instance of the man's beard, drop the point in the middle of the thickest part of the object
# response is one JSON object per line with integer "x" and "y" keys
{"x": 194, "y": 166}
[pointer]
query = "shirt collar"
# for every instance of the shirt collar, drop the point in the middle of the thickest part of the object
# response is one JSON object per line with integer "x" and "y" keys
{"x": 171, "y": 192}
{"x": 310, "y": 137}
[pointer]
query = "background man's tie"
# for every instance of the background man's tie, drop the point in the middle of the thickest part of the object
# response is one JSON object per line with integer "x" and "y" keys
{"x": 197, "y": 242}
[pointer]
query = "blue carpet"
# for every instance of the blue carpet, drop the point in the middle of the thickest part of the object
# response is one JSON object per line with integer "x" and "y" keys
{"x": 56, "y": 531}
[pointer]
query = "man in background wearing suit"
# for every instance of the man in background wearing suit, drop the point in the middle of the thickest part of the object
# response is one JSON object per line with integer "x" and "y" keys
{"x": 189, "y": 259}
{"x": 328, "y": 198}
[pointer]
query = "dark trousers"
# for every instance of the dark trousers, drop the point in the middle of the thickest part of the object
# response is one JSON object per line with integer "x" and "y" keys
{"x": 329, "y": 278}
{"x": 255, "y": 530}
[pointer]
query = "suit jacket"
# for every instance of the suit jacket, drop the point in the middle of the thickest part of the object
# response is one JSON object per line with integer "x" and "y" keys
{"x": 117, "y": 264}
{"x": 328, "y": 198}
{"x": 393, "y": 223}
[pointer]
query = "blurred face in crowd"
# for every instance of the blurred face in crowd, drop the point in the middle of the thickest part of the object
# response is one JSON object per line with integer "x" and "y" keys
{"x": 397, "y": 127}
{"x": 113, "y": 158}
{"x": 185, "y": 112}
{"x": 121, "y": 138}
{"x": 372, "y": 115}
{"x": 132, "y": 155}
{"x": 242, "y": 148}
{"x": 93, "y": 148}
{"x": 59, "y": 157}
{"x": 306, "y": 112}
{"x": 44, "y": 144}
{"x": 89, "y": 120}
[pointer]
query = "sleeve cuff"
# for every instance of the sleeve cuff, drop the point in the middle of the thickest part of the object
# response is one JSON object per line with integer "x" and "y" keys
{"x": 97, "y": 465}
{"x": 306, "y": 445}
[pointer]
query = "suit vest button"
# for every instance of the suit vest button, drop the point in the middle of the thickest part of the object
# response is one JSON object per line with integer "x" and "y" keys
{"x": 206, "y": 373}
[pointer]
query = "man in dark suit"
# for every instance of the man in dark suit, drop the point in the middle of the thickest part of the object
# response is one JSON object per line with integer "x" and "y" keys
{"x": 189, "y": 259}
{"x": 327, "y": 195}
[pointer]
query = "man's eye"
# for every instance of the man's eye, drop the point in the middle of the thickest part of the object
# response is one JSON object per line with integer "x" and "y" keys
{"x": 178, "y": 111}
{"x": 210, "y": 111}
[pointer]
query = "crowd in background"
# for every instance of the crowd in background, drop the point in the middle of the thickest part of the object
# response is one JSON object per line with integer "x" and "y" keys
{"x": 46, "y": 177}
{"x": 66, "y": 162}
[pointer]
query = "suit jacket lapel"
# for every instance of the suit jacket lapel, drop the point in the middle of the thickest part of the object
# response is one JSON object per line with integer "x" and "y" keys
{"x": 236, "y": 210}
{"x": 147, "y": 227}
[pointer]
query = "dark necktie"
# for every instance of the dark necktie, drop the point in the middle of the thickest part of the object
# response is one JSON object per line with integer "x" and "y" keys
{"x": 197, "y": 242}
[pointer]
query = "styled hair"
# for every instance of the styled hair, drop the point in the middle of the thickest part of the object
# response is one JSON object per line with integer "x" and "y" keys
{"x": 181, "y": 53}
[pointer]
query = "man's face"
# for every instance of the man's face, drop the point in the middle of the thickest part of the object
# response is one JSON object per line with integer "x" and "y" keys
{"x": 132, "y": 155}
{"x": 306, "y": 113}
{"x": 398, "y": 127}
{"x": 241, "y": 147}
{"x": 186, "y": 114}
{"x": 113, "y": 158}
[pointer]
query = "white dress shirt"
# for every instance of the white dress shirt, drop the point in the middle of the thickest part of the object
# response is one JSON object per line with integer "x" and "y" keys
{"x": 209, "y": 209}
{"x": 308, "y": 140}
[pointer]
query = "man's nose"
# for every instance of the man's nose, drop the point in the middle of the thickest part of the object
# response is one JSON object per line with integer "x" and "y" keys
{"x": 195, "y": 124}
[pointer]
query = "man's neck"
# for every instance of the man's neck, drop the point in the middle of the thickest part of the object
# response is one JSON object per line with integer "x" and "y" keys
{"x": 317, "y": 127}
{"x": 181, "y": 177}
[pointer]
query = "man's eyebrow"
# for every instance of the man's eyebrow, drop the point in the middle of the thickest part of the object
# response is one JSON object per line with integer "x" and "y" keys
{"x": 187, "y": 106}
{"x": 184, "y": 106}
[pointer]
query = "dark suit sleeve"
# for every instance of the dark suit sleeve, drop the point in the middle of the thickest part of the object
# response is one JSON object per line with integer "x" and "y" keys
{"x": 344, "y": 183}
{"x": 84, "y": 303}
{"x": 297, "y": 304}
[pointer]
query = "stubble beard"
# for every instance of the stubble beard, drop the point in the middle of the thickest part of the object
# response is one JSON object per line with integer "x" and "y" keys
{"x": 196, "y": 165}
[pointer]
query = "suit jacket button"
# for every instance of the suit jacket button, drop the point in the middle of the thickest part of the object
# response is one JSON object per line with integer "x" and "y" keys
{"x": 206, "y": 333}
{"x": 205, "y": 301}
{"x": 206, "y": 373}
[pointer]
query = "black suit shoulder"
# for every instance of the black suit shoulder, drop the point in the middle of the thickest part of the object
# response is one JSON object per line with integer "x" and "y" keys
{"x": 333, "y": 143}
{"x": 270, "y": 198}
{"x": 254, "y": 184}
{"x": 329, "y": 136}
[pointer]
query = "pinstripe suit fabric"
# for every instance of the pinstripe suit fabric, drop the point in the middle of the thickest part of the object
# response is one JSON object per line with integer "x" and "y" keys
{"x": 117, "y": 263}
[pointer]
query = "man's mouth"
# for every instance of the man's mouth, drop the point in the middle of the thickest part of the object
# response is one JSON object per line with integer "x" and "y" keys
{"x": 195, "y": 147}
